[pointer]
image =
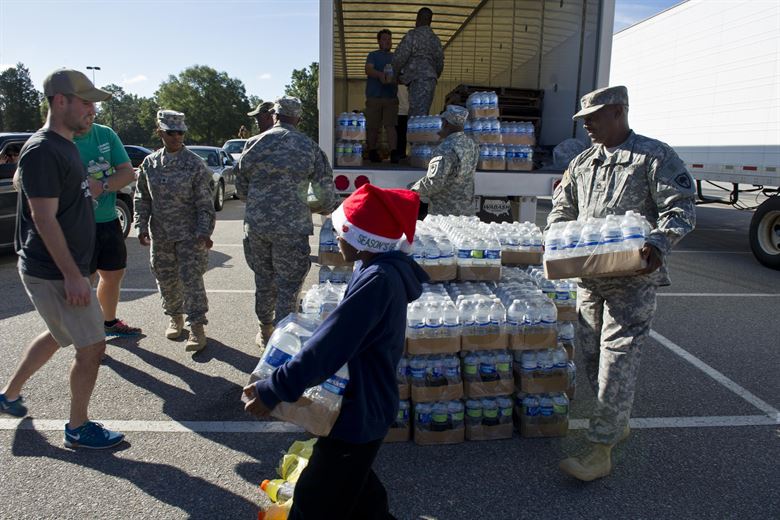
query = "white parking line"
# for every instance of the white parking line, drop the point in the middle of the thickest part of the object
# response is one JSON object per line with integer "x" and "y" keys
{"x": 714, "y": 295}
{"x": 637, "y": 423}
{"x": 762, "y": 405}
{"x": 710, "y": 252}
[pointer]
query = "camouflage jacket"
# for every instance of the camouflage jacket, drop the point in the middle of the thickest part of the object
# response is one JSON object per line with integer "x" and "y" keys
{"x": 274, "y": 174}
{"x": 173, "y": 196}
{"x": 449, "y": 183}
{"x": 419, "y": 55}
{"x": 644, "y": 175}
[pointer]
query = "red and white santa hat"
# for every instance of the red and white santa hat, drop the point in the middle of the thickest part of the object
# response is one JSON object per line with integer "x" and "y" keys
{"x": 378, "y": 220}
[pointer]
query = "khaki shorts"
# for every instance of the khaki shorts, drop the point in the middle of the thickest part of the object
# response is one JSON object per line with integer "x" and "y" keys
{"x": 381, "y": 112}
{"x": 69, "y": 324}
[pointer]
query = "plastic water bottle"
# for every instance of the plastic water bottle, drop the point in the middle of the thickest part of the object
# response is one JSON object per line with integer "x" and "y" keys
{"x": 329, "y": 300}
{"x": 440, "y": 416}
{"x": 546, "y": 409}
{"x": 482, "y": 317}
{"x": 493, "y": 252}
{"x": 489, "y": 412}
{"x": 417, "y": 370}
{"x": 611, "y": 234}
{"x": 455, "y": 414}
{"x": 566, "y": 333}
{"x": 549, "y": 314}
{"x": 514, "y": 317}
{"x": 531, "y": 409}
{"x": 487, "y": 367}
{"x": 450, "y": 320}
{"x": 571, "y": 239}
{"x": 497, "y": 317}
{"x": 282, "y": 346}
{"x": 432, "y": 254}
{"x": 553, "y": 242}
{"x": 466, "y": 310}
{"x": 278, "y": 490}
{"x": 529, "y": 363}
{"x": 631, "y": 229}
{"x": 452, "y": 370}
{"x": 560, "y": 360}
{"x": 544, "y": 363}
{"x": 504, "y": 409}
{"x": 423, "y": 416}
{"x": 560, "y": 407}
{"x": 402, "y": 373}
{"x": 435, "y": 371}
{"x": 504, "y": 364}
{"x": 471, "y": 367}
{"x": 474, "y": 412}
{"x": 433, "y": 320}
{"x": 415, "y": 320}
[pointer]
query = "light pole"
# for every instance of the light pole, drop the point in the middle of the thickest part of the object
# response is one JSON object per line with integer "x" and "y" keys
{"x": 93, "y": 69}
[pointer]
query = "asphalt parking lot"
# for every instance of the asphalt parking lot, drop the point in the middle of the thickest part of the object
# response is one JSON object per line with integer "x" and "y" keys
{"x": 704, "y": 440}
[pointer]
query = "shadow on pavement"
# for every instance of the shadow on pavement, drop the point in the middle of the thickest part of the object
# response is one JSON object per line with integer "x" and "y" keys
{"x": 166, "y": 483}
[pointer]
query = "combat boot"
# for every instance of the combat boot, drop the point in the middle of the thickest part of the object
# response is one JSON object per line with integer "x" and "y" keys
{"x": 266, "y": 329}
{"x": 197, "y": 339}
{"x": 625, "y": 434}
{"x": 175, "y": 327}
{"x": 595, "y": 464}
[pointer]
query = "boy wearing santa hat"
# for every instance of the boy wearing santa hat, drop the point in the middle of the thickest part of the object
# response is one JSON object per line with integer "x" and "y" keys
{"x": 366, "y": 331}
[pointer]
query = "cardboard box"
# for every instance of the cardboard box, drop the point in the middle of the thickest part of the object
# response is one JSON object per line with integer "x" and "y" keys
{"x": 427, "y": 438}
{"x": 404, "y": 392}
{"x": 556, "y": 429}
{"x": 330, "y": 258}
{"x": 488, "y": 433}
{"x": 491, "y": 164}
{"x": 399, "y": 434}
{"x": 479, "y": 273}
{"x": 619, "y": 263}
{"x": 349, "y": 160}
{"x": 567, "y": 313}
{"x": 489, "y": 138}
{"x": 423, "y": 137}
{"x": 534, "y": 340}
{"x": 441, "y": 273}
{"x": 430, "y": 394}
{"x": 419, "y": 346}
{"x": 518, "y": 139}
{"x": 487, "y": 342}
{"x": 481, "y": 389}
{"x": 483, "y": 112}
{"x": 520, "y": 258}
{"x": 310, "y": 415}
{"x": 541, "y": 385}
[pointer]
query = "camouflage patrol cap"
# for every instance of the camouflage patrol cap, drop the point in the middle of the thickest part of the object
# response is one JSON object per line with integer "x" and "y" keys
{"x": 596, "y": 100}
{"x": 288, "y": 106}
{"x": 171, "y": 120}
{"x": 455, "y": 115}
{"x": 266, "y": 107}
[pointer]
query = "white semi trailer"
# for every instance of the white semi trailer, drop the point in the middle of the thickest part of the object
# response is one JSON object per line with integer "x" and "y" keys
{"x": 704, "y": 76}
{"x": 560, "y": 47}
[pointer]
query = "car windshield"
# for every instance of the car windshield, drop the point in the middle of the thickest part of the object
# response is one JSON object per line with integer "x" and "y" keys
{"x": 234, "y": 146}
{"x": 210, "y": 156}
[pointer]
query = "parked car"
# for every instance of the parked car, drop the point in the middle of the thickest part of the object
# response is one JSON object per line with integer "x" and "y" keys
{"x": 137, "y": 154}
{"x": 234, "y": 147}
{"x": 8, "y": 194}
{"x": 221, "y": 164}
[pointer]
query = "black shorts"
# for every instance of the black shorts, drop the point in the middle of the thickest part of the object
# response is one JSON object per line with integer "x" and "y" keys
{"x": 110, "y": 252}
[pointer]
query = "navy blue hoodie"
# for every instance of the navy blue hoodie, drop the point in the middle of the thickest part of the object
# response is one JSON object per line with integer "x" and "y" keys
{"x": 367, "y": 331}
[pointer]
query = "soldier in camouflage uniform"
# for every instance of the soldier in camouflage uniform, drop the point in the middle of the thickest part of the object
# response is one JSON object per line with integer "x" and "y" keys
{"x": 174, "y": 201}
{"x": 622, "y": 171}
{"x": 419, "y": 60}
{"x": 449, "y": 183}
{"x": 274, "y": 174}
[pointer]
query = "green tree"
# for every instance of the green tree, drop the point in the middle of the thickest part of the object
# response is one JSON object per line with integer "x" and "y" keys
{"x": 304, "y": 86}
{"x": 19, "y": 100}
{"x": 123, "y": 113}
{"x": 214, "y": 103}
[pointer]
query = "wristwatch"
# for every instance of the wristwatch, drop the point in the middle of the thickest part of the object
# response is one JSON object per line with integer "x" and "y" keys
{"x": 105, "y": 185}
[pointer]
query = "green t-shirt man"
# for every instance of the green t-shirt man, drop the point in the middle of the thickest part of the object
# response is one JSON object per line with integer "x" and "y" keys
{"x": 101, "y": 152}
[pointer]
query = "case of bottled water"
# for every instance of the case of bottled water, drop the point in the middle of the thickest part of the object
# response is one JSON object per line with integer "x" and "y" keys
{"x": 482, "y": 104}
{"x": 401, "y": 429}
{"x": 423, "y": 129}
{"x": 487, "y": 373}
{"x": 542, "y": 414}
{"x": 328, "y": 251}
{"x": 595, "y": 247}
{"x": 439, "y": 422}
{"x": 489, "y": 418}
{"x": 317, "y": 410}
{"x": 435, "y": 377}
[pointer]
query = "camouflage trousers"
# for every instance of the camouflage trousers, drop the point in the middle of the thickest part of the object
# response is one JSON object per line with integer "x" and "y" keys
{"x": 614, "y": 323}
{"x": 179, "y": 268}
{"x": 280, "y": 263}
{"x": 421, "y": 96}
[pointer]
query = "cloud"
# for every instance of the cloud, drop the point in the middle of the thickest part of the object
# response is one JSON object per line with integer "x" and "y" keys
{"x": 140, "y": 78}
{"x": 265, "y": 75}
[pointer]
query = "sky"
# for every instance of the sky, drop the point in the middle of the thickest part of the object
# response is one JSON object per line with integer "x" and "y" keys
{"x": 138, "y": 43}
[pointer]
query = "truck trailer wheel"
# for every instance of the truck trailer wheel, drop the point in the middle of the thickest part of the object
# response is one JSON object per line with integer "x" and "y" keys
{"x": 765, "y": 233}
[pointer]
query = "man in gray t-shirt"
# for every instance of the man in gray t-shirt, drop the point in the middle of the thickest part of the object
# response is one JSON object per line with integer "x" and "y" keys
{"x": 55, "y": 238}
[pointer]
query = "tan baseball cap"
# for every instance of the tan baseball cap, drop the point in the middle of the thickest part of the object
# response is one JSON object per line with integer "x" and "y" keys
{"x": 73, "y": 82}
{"x": 263, "y": 108}
{"x": 598, "y": 99}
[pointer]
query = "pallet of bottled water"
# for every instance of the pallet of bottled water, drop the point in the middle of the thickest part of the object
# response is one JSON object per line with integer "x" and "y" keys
{"x": 423, "y": 129}
{"x": 401, "y": 429}
{"x": 328, "y": 251}
{"x": 349, "y": 153}
{"x": 440, "y": 422}
{"x": 482, "y": 104}
{"x": 563, "y": 291}
{"x": 542, "y": 414}
{"x": 434, "y": 252}
{"x": 518, "y": 133}
{"x": 489, "y": 418}
{"x": 484, "y": 130}
{"x": 317, "y": 410}
{"x": 595, "y": 247}
{"x": 477, "y": 246}
{"x": 492, "y": 157}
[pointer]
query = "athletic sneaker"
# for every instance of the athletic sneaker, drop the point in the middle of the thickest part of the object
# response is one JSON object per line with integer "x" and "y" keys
{"x": 120, "y": 328}
{"x": 92, "y": 435}
{"x": 15, "y": 408}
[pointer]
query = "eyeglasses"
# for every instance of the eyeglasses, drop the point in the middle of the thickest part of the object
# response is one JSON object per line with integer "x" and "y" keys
{"x": 174, "y": 132}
